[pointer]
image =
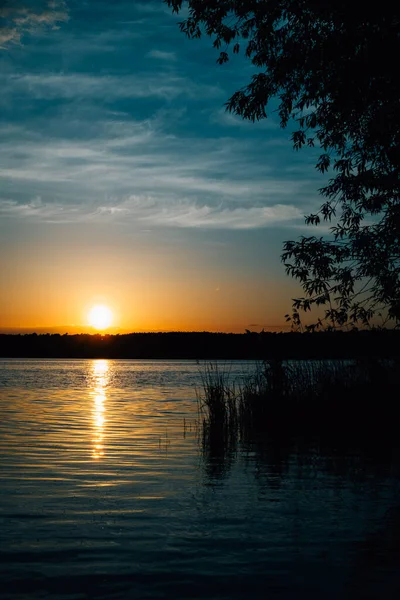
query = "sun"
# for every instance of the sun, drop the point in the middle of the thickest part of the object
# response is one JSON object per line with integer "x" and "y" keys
{"x": 100, "y": 317}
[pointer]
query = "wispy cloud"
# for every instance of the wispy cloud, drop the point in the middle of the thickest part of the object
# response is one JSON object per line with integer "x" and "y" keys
{"x": 18, "y": 18}
{"x": 140, "y": 158}
{"x": 160, "y": 54}
{"x": 149, "y": 7}
{"x": 147, "y": 211}
{"x": 104, "y": 87}
{"x": 112, "y": 140}
{"x": 135, "y": 171}
{"x": 208, "y": 217}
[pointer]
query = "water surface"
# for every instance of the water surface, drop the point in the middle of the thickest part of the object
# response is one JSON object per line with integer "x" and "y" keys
{"x": 108, "y": 492}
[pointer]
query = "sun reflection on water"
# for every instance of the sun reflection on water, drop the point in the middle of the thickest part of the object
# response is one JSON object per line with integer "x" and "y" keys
{"x": 100, "y": 377}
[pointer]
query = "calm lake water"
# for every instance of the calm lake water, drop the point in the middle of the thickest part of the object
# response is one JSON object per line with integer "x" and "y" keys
{"x": 108, "y": 492}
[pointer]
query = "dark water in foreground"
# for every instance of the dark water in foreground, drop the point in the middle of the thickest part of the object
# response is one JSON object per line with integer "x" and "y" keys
{"x": 106, "y": 492}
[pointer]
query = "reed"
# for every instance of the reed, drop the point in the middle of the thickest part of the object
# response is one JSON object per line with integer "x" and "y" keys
{"x": 303, "y": 398}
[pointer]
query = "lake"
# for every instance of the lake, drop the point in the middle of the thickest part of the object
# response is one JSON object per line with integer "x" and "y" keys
{"x": 107, "y": 491}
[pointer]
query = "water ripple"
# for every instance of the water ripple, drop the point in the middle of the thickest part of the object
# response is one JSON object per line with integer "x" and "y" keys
{"x": 106, "y": 494}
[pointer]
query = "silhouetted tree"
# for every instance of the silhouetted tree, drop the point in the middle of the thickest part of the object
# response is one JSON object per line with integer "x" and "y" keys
{"x": 332, "y": 67}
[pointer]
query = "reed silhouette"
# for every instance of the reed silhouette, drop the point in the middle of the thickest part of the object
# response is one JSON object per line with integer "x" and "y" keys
{"x": 337, "y": 418}
{"x": 310, "y": 402}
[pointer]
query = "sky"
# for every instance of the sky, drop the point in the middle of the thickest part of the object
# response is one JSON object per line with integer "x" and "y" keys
{"x": 125, "y": 183}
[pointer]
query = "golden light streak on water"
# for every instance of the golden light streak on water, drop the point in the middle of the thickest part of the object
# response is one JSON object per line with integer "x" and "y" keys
{"x": 100, "y": 378}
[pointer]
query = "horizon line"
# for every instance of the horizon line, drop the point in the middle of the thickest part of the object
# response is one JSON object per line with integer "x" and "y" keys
{"x": 71, "y": 330}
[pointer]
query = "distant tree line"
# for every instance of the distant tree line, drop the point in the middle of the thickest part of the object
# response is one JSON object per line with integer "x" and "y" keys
{"x": 326, "y": 344}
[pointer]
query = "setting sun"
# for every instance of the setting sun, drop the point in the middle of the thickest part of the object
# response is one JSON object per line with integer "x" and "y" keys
{"x": 100, "y": 317}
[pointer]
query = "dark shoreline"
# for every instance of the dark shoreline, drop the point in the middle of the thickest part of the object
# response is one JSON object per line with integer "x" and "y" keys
{"x": 370, "y": 344}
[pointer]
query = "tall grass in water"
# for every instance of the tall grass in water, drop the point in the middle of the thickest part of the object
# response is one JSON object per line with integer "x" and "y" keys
{"x": 218, "y": 412}
{"x": 302, "y": 399}
{"x": 218, "y": 402}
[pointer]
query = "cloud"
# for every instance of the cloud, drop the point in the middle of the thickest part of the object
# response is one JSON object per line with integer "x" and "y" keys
{"x": 74, "y": 86}
{"x": 155, "y": 212}
{"x": 149, "y": 7}
{"x": 18, "y": 18}
{"x": 38, "y": 210}
{"x": 169, "y": 56}
{"x": 208, "y": 217}
{"x": 122, "y": 170}
{"x": 8, "y": 35}
{"x": 125, "y": 157}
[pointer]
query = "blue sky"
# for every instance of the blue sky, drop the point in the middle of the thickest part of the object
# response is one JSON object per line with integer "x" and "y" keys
{"x": 115, "y": 145}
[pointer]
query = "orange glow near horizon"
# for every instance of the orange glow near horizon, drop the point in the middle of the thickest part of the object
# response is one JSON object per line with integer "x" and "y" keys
{"x": 154, "y": 308}
{"x": 54, "y": 292}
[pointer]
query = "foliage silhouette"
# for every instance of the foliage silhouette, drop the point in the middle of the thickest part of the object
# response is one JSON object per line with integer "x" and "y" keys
{"x": 331, "y": 65}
